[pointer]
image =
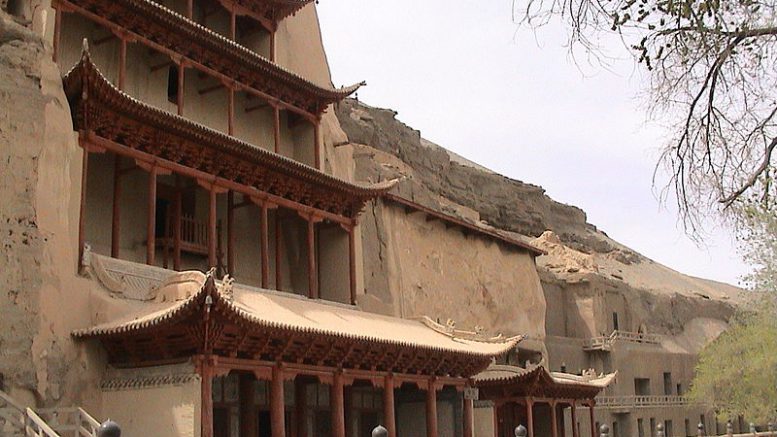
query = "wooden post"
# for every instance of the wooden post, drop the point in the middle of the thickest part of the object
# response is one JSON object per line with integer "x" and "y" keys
{"x": 574, "y": 421}
{"x": 277, "y": 128}
{"x": 431, "y": 409}
{"x": 352, "y": 261}
{"x": 277, "y": 406}
{"x": 248, "y": 417}
{"x": 317, "y": 144}
{"x": 530, "y": 416}
{"x": 554, "y": 419}
{"x": 57, "y": 31}
{"x": 151, "y": 218}
{"x": 231, "y": 233}
{"x": 312, "y": 272}
{"x": 388, "y": 405}
{"x": 207, "y": 398}
{"x": 122, "y": 62}
{"x": 496, "y": 420}
{"x": 593, "y": 418}
{"x": 116, "y": 225}
{"x": 272, "y": 45}
{"x": 300, "y": 401}
{"x": 212, "y": 261}
{"x": 82, "y": 207}
{"x": 469, "y": 418}
{"x": 265, "y": 242}
{"x": 181, "y": 86}
{"x": 177, "y": 225}
{"x": 278, "y": 253}
{"x": 232, "y": 24}
{"x": 337, "y": 405}
{"x": 190, "y": 9}
{"x": 231, "y": 111}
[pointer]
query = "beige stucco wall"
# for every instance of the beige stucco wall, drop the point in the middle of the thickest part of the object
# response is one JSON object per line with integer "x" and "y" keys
{"x": 169, "y": 410}
{"x": 415, "y": 267}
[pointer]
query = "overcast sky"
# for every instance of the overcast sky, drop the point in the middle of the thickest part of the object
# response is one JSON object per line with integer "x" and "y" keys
{"x": 462, "y": 73}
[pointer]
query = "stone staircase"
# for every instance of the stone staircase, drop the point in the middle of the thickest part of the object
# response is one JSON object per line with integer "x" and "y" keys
{"x": 19, "y": 421}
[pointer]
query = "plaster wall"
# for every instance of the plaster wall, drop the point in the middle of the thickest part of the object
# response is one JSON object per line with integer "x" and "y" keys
{"x": 415, "y": 267}
{"x": 484, "y": 421}
{"x": 172, "y": 410}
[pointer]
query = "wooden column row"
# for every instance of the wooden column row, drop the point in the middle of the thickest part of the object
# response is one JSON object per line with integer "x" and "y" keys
{"x": 337, "y": 404}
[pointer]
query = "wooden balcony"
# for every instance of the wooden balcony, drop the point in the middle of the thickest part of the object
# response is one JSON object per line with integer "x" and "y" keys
{"x": 642, "y": 401}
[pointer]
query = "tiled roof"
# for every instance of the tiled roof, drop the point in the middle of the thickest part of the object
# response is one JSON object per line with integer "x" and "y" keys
{"x": 283, "y": 312}
{"x": 86, "y": 77}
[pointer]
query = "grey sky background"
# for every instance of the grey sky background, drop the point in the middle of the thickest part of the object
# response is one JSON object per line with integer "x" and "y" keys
{"x": 516, "y": 102}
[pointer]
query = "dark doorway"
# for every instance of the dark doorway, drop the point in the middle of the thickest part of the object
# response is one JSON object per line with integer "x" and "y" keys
{"x": 221, "y": 422}
{"x": 265, "y": 424}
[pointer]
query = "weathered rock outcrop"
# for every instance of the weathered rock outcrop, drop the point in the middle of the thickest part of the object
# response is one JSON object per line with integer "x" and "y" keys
{"x": 582, "y": 264}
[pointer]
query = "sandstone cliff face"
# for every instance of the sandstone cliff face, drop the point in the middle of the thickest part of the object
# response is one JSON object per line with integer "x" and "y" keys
{"x": 42, "y": 298}
{"x": 586, "y": 275}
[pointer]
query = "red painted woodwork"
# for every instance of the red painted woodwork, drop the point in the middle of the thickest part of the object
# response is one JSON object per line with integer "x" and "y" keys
{"x": 388, "y": 405}
{"x": 337, "y": 405}
{"x": 116, "y": 210}
{"x": 593, "y": 418}
{"x": 277, "y": 405}
{"x": 265, "y": 244}
{"x": 431, "y": 409}
{"x": 312, "y": 271}
{"x": 530, "y": 417}
{"x": 554, "y": 420}
{"x": 212, "y": 235}
{"x": 231, "y": 233}
{"x": 469, "y": 428}
{"x": 151, "y": 218}
{"x": 575, "y": 429}
{"x": 352, "y": 263}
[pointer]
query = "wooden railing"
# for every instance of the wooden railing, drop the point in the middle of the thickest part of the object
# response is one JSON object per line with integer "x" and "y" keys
{"x": 640, "y": 401}
{"x": 605, "y": 343}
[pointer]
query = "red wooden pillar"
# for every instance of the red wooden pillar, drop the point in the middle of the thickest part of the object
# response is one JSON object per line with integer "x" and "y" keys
{"x": 593, "y": 418}
{"x": 352, "y": 261}
{"x": 122, "y": 62}
{"x": 181, "y": 86}
{"x": 431, "y": 409}
{"x": 312, "y": 271}
{"x": 232, "y": 24}
{"x": 317, "y": 144}
{"x": 116, "y": 226}
{"x": 206, "y": 374}
{"x": 231, "y": 233}
{"x": 265, "y": 243}
{"x": 530, "y": 417}
{"x": 177, "y": 225}
{"x": 574, "y": 421}
{"x": 272, "y": 45}
{"x": 151, "y": 218}
{"x": 277, "y": 405}
{"x": 82, "y": 207}
{"x": 469, "y": 419}
{"x": 300, "y": 405}
{"x": 337, "y": 404}
{"x": 496, "y": 420}
{"x": 553, "y": 419}
{"x": 212, "y": 261}
{"x": 277, "y": 127}
{"x": 278, "y": 251}
{"x": 190, "y": 9}
{"x": 231, "y": 110}
{"x": 388, "y": 405}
